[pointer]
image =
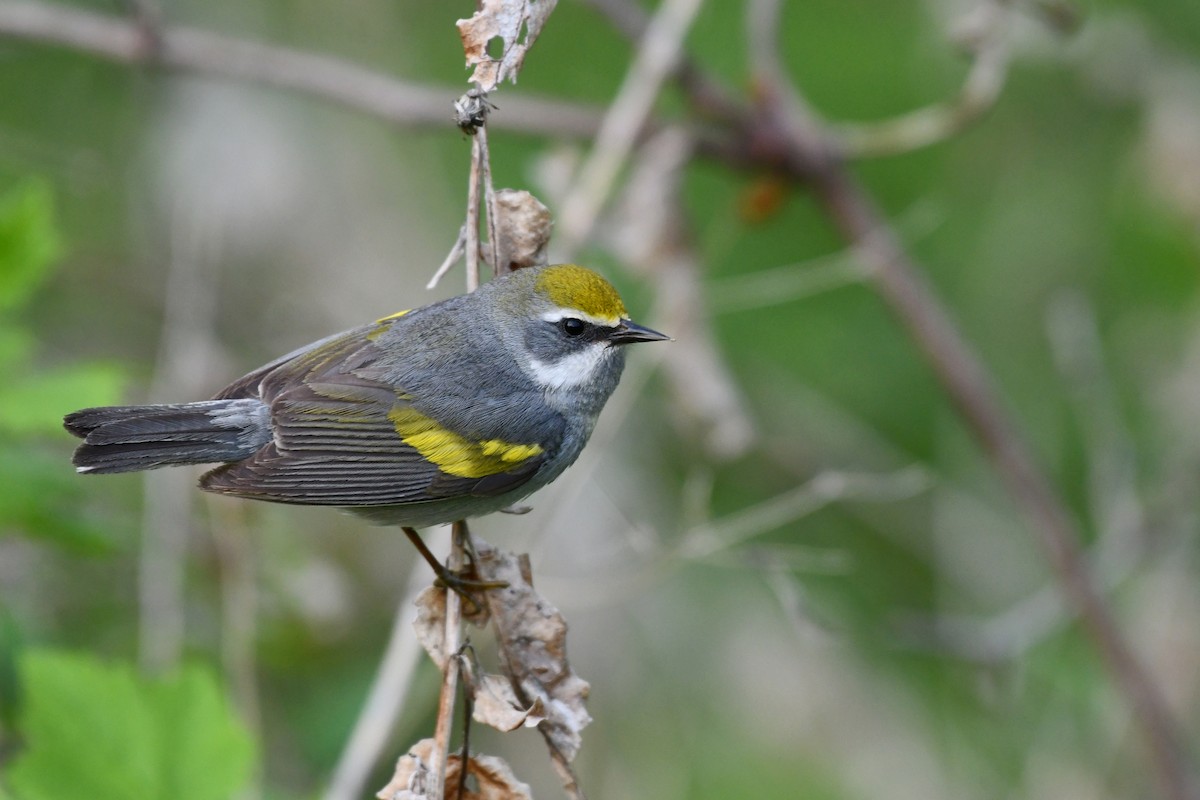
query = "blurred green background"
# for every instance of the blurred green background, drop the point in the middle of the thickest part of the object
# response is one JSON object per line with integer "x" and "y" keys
{"x": 888, "y": 629}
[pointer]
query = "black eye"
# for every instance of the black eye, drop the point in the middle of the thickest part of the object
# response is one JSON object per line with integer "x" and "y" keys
{"x": 572, "y": 326}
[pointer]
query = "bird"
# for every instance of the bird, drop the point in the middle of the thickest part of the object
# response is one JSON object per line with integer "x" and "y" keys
{"x": 451, "y": 411}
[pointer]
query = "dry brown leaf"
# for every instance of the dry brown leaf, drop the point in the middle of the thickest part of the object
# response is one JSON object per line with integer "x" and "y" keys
{"x": 411, "y": 777}
{"x": 516, "y": 23}
{"x": 493, "y": 778}
{"x": 523, "y": 227}
{"x": 430, "y": 622}
{"x": 497, "y": 704}
{"x": 532, "y": 636}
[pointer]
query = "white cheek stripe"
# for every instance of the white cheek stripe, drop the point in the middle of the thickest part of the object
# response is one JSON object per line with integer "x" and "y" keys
{"x": 571, "y": 370}
{"x": 559, "y": 314}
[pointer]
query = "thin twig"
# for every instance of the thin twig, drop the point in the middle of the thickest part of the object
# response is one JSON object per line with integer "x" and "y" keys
{"x": 657, "y": 55}
{"x": 438, "y": 759}
{"x": 239, "y": 613}
{"x": 935, "y": 123}
{"x": 384, "y": 701}
{"x": 566, "y": 773}
{"x": 489, "y": 199}
{"x": 185, "y": 340}
{"x": 650, "y": 233}
{"x": 785, "y": 284}
{"x": 456, "y": 252}
{"x": 708, "y": 97}
{"x": 823, "y": 490}
{"x": 472, "y": 241}
{"x": 347, "y": 84}
{"x": 462, "y": 664}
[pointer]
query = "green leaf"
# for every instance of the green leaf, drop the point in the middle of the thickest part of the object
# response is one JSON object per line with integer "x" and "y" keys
{"x": 44, "y": 499}
{"x": 100, "y": 731}
{"x": 209, "y": 754}
{"x": 29, "y": 241}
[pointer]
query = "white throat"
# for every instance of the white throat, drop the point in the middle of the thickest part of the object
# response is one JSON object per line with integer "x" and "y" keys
{"x": 570, "y": 370}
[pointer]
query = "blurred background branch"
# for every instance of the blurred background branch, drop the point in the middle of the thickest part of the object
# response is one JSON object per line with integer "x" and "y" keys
{"x": 182, "y": 48}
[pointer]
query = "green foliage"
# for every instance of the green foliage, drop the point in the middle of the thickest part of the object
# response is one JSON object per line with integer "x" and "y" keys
{"x": 98, "y": 730}
{"x": 29, "y": 242}
{"x": 35, "y": 497}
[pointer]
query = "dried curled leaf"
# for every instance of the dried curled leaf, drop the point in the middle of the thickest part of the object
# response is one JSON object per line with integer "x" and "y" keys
{"x": 430, "y": 622}
{"x": 523, "y": 228}
{"x": 532, "y": 635}
{"x": 493, "y": 778}
{"x": 411, "y": 778}
{"x": 497, "y": 704}
{"x": 515, "y": 23}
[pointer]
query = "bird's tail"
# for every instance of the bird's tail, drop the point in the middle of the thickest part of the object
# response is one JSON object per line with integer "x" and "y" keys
{"x": 131, "y": 438}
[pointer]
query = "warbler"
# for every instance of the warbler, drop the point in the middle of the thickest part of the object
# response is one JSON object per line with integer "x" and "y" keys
{"x": 446, "y": 412}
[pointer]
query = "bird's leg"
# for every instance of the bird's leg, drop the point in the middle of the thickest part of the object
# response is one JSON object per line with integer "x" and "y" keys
{"x": 453, "y": 581}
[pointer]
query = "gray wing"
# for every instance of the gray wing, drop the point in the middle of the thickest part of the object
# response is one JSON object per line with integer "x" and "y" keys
{"x": 339, "y": 439}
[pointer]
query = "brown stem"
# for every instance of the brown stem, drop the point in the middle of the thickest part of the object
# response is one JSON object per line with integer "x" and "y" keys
{"x": 489, "y": 200}
{"x": 472, "y": 243}
{"x": 453, "y": 641}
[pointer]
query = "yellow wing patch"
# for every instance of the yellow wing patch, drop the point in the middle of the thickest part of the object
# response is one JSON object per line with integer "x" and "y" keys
{"x": 454, "y": 454}
{"x": 572, "y": 286}
{"x": 383, "y": 323}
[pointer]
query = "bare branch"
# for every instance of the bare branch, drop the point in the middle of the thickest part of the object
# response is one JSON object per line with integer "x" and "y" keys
{"x": 216, "y": 55}
{"x": 451, "y": 642}
{"x": 489, "y": 201}
{"x": 707, "y": 97}
{"x": 988, "y": 40}
{"x": 236, "y": 553}
{"x": 472, "y": 226}
{"x": 186, "y": 347}
{"x": 823, "y": 490}
{"x": 384, "y": 700}
{"x": 658, "y": 54}
{"x": 967, "y": 383}
{"x": 456, "y": 252}
{"x": 650, "y": 233}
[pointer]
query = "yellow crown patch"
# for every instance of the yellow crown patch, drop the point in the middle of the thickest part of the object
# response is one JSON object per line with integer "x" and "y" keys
{"x": 572, "y": 286}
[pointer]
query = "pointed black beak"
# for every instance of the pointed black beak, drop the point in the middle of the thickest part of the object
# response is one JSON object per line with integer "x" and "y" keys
{"x": 628, "y": 332}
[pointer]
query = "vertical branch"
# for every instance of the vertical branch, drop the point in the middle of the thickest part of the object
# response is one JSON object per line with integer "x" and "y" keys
{"x": 452, "y": 642}
{"x": 189, "y": 310}
{"x": 489, "y": 198}
{"x": 472, "y": 233}
{"x": 239, "y": 612}
{"x": 393, "y": 677}
{"x": 657, "y": 56}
